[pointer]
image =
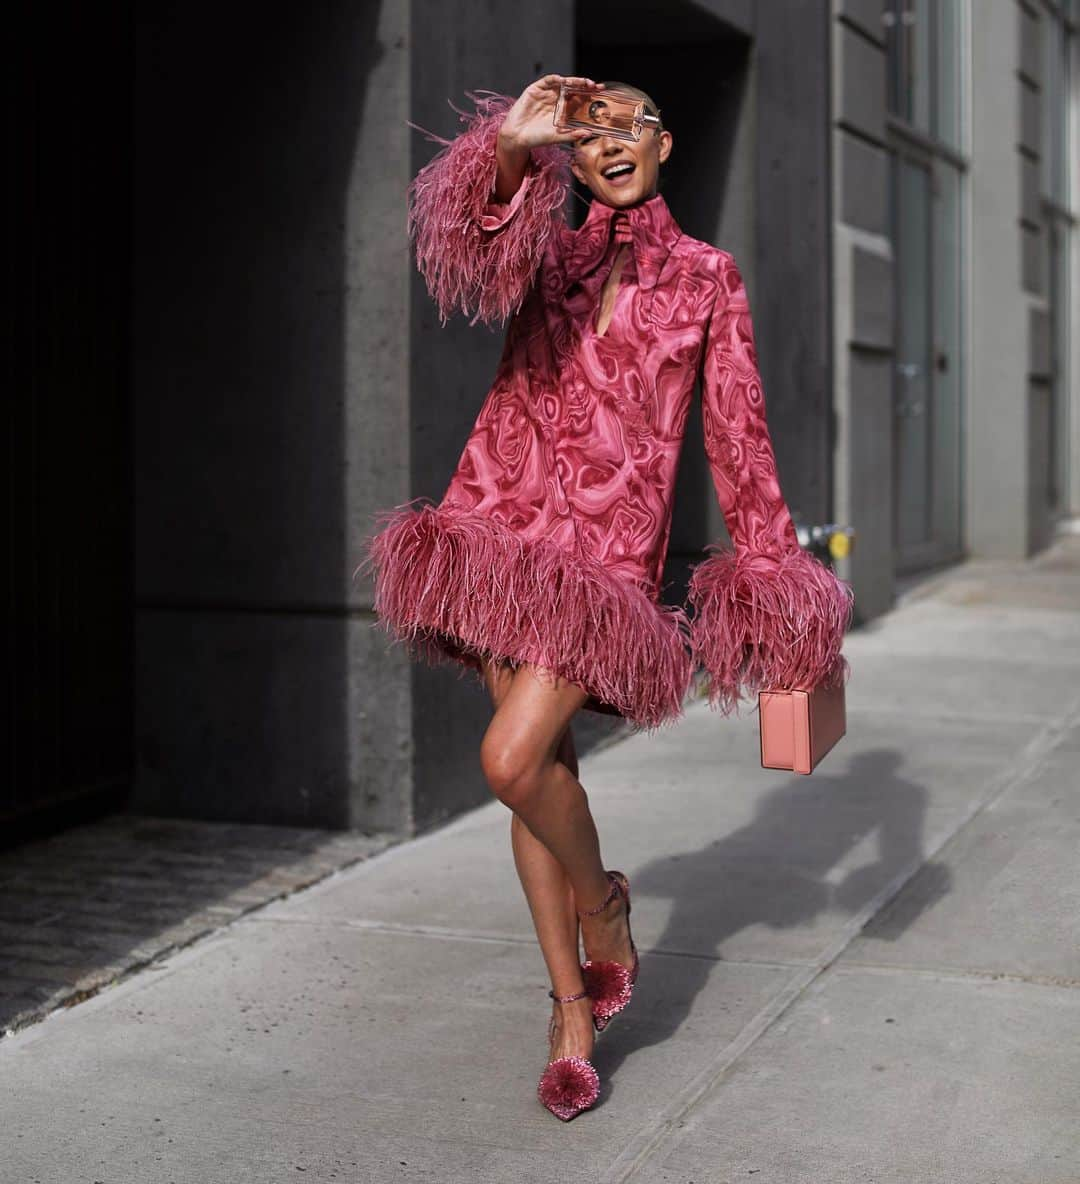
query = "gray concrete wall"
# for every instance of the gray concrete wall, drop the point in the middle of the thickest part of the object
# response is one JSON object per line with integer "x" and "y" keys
{"x": 268, "y": 372}
{"x": 997, "y": 436}
{"x": 771, "y": 208}
{"x": 1034, "y": 231}
{"x": 862, "y": 301}
{"x": 792, "y": 300}
{"x": 290, "y": 381}
{"x": 1071, "y": 351}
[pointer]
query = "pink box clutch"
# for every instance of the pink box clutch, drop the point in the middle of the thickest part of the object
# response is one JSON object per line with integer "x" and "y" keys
{"x": 798, "y": 727}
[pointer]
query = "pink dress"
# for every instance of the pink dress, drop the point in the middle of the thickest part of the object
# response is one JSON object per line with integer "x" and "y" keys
{"x": 549, "y": 543}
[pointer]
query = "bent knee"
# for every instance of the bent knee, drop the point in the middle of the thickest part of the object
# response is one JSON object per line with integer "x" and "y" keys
{"x": 510, "y": 770}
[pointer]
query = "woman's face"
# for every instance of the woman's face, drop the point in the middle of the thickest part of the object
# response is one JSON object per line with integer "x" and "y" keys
{"x": 621, "y": 172}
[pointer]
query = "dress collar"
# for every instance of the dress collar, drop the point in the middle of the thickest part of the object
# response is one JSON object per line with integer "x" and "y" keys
{"x": 655, "y": 232}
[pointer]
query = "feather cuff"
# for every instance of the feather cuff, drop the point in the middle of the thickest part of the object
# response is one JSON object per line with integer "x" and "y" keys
{"x": 767, "y": 622}
{"x": 478, "y": 255}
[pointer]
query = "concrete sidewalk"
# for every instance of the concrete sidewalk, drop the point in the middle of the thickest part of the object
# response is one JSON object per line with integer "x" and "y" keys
{"x": 871, "y": 974}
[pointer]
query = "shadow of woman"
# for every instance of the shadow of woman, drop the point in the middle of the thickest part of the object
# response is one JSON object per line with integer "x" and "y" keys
{"x": 776, "y": 871}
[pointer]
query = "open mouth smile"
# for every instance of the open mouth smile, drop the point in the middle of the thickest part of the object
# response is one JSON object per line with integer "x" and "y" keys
{"x": 617, "y": 172}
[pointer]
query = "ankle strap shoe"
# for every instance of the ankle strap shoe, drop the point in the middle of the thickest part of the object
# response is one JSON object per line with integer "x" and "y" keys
{"x": 610, "y": 984}
{"x": 569, "y": 1084}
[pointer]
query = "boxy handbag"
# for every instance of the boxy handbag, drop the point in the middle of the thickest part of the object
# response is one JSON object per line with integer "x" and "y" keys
{"x": 798, "y": 727}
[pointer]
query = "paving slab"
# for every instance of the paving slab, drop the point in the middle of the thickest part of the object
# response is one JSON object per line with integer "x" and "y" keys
{"x": 1013, "y": 899}
{"x": 955, "y": 631}
{"x": 258, "y": 1055}
{"x": 980, "y": 686}
{"x": 1049, "y": 582}
{"x": 891, "y": 1078}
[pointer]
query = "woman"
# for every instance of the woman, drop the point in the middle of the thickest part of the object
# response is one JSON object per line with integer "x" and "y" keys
{"x": 540, "y": 568}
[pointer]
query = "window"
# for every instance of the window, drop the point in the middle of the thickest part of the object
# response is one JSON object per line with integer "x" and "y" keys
{"x": 924, "y": 47}
{"x": 926, "y": 42}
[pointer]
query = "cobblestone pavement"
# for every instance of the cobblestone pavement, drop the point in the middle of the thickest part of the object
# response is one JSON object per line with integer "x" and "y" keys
{"x": 87, "y": 907}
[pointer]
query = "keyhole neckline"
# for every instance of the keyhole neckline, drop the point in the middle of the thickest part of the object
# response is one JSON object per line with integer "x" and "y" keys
{"x": 617, "y": 267}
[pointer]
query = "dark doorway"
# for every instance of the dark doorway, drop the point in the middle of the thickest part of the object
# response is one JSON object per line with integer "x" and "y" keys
{"x": 695, "y": 68}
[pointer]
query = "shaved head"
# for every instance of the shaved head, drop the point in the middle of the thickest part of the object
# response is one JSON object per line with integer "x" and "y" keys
{"x": 638, "y": 93}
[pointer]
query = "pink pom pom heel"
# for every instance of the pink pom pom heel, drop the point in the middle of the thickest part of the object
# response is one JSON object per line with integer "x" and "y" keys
{"x": 610, "y": 984}
{"x": 569, "y": 1084}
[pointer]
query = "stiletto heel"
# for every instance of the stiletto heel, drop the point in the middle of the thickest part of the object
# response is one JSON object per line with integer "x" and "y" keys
{"x": 610, "y": 983}
{"x": 569, "y": 1084}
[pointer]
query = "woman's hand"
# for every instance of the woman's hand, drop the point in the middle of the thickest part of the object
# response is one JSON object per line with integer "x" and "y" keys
{"x": 528, "y": 124}
{"x": 530, "y": 121}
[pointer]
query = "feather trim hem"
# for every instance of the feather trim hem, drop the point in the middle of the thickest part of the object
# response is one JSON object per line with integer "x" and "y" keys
{"x": 451, "y": 584}
{"x": 767, "y": 622}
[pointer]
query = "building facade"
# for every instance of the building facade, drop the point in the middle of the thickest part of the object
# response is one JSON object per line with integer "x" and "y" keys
{"x": 897, "y": 179}
{"x": 955, "y": 261}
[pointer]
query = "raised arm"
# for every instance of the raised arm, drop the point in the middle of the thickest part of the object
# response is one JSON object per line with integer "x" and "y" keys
{"x": 481, "y": 210}
{"x": 767, "y": 614}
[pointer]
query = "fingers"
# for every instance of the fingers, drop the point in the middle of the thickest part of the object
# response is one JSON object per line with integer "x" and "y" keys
{"x": 572, "y": 137}
{"x": 554, "y": 81}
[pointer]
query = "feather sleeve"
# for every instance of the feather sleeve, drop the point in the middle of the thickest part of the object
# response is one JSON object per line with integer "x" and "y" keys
{"x": 767, "y": 614}
{"x": 476, "y": 254}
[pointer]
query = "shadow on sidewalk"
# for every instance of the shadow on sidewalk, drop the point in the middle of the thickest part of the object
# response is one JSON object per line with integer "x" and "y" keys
{"x": 775, "y": 872}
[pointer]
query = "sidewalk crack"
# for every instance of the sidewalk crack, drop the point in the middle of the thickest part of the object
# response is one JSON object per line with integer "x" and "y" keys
{"x": 665, "y": 1128}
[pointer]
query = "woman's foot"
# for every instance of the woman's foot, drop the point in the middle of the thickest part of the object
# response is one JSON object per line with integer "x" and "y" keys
{"x": 611, "y": 965}
{"x": 569, "y": 1083}
{"x": 570, "y": 1032}
{"x": 606, "y": 934}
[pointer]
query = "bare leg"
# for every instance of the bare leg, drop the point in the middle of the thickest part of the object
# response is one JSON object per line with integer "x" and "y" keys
{"x": 518, "y": 756}
{"x": 550, "y": 894}
{"x": 551, "y": 903}
{"x": 529, "y": 759}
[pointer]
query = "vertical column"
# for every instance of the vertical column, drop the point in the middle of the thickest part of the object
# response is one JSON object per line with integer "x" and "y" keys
{"x": 863, "y": 303}
{"x": 376, "y": 434}
{"x": 997, "y": 436}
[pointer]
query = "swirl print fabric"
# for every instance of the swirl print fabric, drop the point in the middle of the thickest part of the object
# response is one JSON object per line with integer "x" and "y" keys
{"x": 549, "y": 543}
